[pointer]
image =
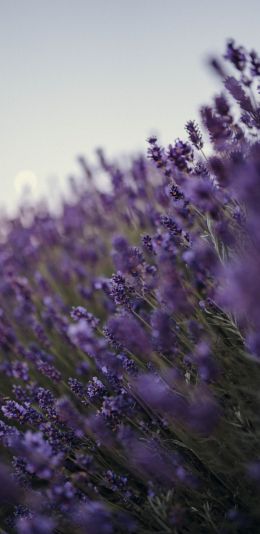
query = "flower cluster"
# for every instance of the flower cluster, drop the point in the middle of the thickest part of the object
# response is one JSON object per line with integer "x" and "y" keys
{"x": 129, "y": 337}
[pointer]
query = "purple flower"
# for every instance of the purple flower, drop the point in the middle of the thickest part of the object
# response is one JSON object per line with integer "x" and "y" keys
{"x": 181, "y": 155}
{"x": 207, "y": 367}
{"x": 68, "y": 414}
{"x": 156, "y": 153}
{"x": 131, "y": 335}
{"x": 176, "y": 193}
{"x": 147, "y": 244}
{"x": 195, "y": 135}
{"x": 81, "y": 313}
{"x": 157, "y": 394}
{"x": 255, "y": 63}
{"x": 14, "y": 410}
{"x": 162, "y": 331}
{"x": 170, "y": 292}
{"x": 8, "y": 434}
{"x": 218, "y": 128}
{"x": 38, "y": 455}
{"x": 170, "y": 224}
{"x": 95, "y": 389}
{"x": 46, "y": 400}
{"x": 222, "y": 105}
{"x": 240, "y": 291}
{"x": 37, "y": 524}
{"x": 236, "y": 55}
{"x": 128, "y": 260}
{"x": 79, "y": 389}
{"x": 48, "y": 370}
{"x": 120, "y": 291}
{"x": 94, "y": 518}
{"x": 81, "y": 334}
{"x": 238, "y": 93}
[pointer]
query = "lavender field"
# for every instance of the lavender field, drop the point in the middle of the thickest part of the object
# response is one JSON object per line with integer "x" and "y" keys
{"x": 130, "y": 336}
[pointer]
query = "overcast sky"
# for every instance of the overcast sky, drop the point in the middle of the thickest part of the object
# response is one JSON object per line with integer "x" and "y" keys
{"x": 77, "y": 74}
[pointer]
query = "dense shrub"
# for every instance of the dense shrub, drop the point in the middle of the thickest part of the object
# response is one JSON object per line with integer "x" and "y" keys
{"x": 129, "y": 335}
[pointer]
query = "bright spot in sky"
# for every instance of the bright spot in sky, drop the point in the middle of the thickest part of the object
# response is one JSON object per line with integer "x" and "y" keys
{"x": 25, "y": 182}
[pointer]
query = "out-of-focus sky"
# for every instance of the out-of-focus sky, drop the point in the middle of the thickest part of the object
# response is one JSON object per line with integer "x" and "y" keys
{"x": 77, "y": 74}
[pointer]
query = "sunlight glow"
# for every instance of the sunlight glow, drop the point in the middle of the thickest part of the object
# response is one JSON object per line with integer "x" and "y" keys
{"x": 25, "y": 182}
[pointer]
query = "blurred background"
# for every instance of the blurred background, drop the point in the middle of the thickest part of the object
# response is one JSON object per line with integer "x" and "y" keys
{"x": 80, "y": 74}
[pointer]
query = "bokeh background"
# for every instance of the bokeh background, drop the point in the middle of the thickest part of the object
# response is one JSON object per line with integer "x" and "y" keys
{"x": 79, "y": 74}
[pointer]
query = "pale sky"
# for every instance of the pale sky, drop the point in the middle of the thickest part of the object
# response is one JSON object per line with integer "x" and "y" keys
{"x": 78, "y": 74}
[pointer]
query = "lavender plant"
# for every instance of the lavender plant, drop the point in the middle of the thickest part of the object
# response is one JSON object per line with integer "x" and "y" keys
{"x": 129, "y": 334}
